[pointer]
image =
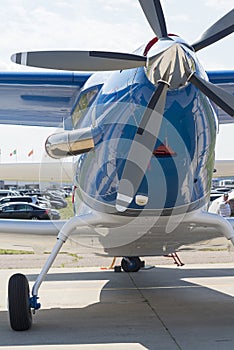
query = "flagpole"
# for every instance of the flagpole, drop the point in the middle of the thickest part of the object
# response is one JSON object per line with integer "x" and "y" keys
{"x": 31, "y": 154}
{"x": 16, "y": 159}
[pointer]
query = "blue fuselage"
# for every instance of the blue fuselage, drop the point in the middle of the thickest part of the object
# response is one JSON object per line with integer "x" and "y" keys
{"x": 180, "y": 171}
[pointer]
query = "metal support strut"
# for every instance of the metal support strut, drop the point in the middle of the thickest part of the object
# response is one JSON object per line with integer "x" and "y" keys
{"x": 63, "y": 234}
{"x": 176, "y": 258}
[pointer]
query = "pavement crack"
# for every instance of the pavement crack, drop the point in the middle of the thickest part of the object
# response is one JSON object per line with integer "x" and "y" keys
{"x": 140, "y": 291}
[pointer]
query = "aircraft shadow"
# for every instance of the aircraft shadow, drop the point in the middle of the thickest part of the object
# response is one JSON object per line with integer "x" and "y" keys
{"x": 145, "y": 307}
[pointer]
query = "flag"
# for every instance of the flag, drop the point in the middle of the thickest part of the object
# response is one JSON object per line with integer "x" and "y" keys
{"x": 13, "y": 153}
{"x": 30, "y": 153}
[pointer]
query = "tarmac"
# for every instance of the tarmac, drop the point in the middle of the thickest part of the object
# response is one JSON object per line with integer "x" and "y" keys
{"x": 85, "y": 305}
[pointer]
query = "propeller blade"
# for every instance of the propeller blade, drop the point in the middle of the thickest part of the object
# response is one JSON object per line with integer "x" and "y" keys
{"x": 142, "y": 148}
{"x": 154, "y": 14}
{"x": 79, "y": 60}
{"x": 219, "y": 96}
{"x": 217, "y": 31}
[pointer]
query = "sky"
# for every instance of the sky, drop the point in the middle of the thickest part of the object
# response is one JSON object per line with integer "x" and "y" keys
{"x": 116, "y": 25}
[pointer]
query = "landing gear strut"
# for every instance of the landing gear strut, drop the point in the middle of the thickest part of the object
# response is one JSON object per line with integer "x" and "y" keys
{"x": 131, "y": 264}
{"x": 19, "y": 301}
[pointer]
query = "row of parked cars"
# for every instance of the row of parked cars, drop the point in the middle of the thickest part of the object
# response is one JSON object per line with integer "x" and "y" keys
{"x": 31, "y": 205}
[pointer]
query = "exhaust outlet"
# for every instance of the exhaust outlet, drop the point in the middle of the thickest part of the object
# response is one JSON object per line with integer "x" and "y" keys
{"x": 69, "y": 143}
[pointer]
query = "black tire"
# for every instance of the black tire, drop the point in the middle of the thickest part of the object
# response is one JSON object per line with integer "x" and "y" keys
{"x": 18, "y": 303}
{"x": 131, "y": 264}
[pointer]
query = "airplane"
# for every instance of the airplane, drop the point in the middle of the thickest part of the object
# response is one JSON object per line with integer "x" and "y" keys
{"x": 142, "y": 132}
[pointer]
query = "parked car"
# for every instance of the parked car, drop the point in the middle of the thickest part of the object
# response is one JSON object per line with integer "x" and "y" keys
{"x": 222, "y": 189}
{"x": 218, "y": 192}
{"x": 43, "y": 202}
{"x": 27, "y": 199}
{"x": 21, "y": 210}
{"x": 214, "y": 196}
{"x": 5, "y": 193}
{"x": 68, "y": 190}
{"x": 55, "y": 215}
{"x": 56, "y": 202}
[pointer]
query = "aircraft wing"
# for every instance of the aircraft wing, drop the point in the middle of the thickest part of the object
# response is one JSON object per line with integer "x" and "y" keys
{"x": 47, "y": 99}
{"x": 42, "y": 227}
{"x": 41, "y": 234}
{"x": 225, "y": 80}
{"x": 39, "y": 99}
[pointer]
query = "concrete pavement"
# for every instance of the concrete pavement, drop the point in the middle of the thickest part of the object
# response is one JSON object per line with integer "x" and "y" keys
{"x": 167, "y": 307}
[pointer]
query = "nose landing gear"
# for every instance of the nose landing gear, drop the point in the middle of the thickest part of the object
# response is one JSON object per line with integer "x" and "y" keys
{"x": 19, "y": 303}
{"x": 131, "y": 264}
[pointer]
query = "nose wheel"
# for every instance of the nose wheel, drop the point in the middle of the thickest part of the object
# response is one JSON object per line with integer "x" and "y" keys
{"x": 131, "y": 264}
{"x": 19, "y": 303}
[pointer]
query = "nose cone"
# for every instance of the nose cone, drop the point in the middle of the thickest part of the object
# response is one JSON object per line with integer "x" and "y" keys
{"x": 170, "y": 66}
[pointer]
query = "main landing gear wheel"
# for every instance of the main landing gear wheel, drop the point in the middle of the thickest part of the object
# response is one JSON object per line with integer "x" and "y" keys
{"x": 19, "y": 303}
{"x": 131, "y": 264}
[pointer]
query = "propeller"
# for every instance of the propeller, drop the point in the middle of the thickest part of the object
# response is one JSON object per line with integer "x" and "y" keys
{"x": 79, "y": 60}
{"x": 142, "y": 147}
{"x": 154, "y": 14}
{"x": 219, "y": 96}
{"x": 217, "y": 31}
